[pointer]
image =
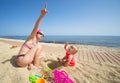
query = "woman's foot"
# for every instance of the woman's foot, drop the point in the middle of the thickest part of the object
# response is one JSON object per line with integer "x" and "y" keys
{"x": 30, "y": 66}
{"x": 38, "y": 67}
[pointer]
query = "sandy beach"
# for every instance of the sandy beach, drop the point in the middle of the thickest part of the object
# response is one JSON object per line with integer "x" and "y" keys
{"x": 95, "y": 64}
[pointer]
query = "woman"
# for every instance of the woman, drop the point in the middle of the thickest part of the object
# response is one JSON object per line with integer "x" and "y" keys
{"x": 30, "y": 51}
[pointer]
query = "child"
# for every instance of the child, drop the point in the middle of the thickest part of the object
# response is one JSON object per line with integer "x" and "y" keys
{"x": 68, "y": 59}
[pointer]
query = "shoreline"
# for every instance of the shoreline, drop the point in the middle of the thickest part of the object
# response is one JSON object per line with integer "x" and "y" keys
{"x": 8, "y": 40}
{"x": 93, "y": 63}
{"x": 107, "y": 41}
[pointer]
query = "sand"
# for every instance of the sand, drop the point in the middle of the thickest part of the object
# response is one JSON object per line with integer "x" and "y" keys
{"x": 95, "y": 64}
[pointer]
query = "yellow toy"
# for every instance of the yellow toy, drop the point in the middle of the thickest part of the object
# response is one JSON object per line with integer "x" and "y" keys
{"x": 37, "y": 78}
{"x": 40, "y": 80}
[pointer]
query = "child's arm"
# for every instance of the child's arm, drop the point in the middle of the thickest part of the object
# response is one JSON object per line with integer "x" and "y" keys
{"x": 63, "y": 58}
{"x": 65, "y": 46}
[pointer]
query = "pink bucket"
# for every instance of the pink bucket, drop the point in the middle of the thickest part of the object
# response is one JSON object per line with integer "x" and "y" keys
{"x": 61, "y": 77}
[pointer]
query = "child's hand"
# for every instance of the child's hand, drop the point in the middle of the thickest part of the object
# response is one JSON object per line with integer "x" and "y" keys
{"x": 67, "y": 43}
{"x": 66, "y": 64}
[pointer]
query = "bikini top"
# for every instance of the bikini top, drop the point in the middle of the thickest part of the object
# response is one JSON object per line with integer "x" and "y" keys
{"x": 29, "y": 45}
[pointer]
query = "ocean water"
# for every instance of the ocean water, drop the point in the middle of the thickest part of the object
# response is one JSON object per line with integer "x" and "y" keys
{"x": 109, "y": 41}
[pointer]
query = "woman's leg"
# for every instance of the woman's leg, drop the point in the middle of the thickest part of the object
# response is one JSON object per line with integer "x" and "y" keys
{"x": 28, "y": 58}
{"x": 37, "y": 56}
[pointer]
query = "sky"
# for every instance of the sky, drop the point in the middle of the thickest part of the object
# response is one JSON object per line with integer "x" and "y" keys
{"x": 64, "y": 17}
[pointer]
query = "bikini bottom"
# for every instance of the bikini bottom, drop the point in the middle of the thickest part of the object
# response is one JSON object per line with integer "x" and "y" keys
{"x": 20, "y": 55}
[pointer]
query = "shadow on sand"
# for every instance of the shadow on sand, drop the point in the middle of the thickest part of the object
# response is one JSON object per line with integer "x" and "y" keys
{"x": 53, "y": 64}
{"x": 12, "y": 60}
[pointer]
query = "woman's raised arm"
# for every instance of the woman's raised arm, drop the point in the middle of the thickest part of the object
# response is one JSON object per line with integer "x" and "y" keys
{"x": 37, "y": 24}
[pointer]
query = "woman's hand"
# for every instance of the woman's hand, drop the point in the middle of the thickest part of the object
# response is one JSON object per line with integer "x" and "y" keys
{"x": 44, "y": 11}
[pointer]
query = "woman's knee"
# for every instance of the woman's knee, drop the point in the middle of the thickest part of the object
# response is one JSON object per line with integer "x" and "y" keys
{"x": 39, "y": 50}
{"x": 39, "y": 46}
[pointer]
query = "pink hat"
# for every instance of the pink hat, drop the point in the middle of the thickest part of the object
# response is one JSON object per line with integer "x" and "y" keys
{"x": 40, "y": 32}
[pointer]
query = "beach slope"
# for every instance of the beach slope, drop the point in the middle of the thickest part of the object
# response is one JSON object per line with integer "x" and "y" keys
{"x": 95, "y": 64}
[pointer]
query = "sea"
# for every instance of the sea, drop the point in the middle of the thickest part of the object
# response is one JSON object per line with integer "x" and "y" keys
{"x": 109, "y": 41}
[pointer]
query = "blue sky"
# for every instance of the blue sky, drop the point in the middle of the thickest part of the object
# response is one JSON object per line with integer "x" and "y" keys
{"x": 64, "y": 17}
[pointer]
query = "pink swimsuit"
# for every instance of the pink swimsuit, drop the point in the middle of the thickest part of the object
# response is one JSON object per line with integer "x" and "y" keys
{"x": 72, "y": 62}
{"x": 28, "y": 45}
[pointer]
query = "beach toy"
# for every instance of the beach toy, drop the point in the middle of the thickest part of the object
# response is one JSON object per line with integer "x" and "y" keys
{"x": 32, "y": 79}
{"x": 44, "y": 75}
{"x": 37, "y": 78}
{"x": 14, "y": 46}
{"x": 49, "y": 69}
{"x": 40, "y": 80}
{"x": 61, "y": 77}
